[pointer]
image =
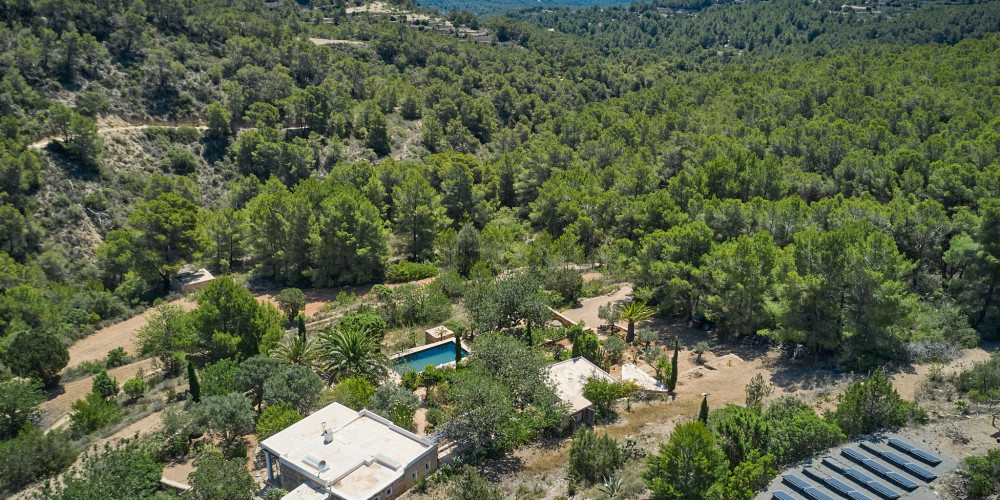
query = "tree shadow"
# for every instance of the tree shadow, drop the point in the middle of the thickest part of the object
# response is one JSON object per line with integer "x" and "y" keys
{"x": 493, "y": 470}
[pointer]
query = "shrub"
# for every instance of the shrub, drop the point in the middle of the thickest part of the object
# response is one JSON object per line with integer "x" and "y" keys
{"x": 592, "y": 457}
{"x": 647, "y": 336}
{"x": 435, "y": 416}
{"x": 371, "y": 323}
{"x": 411, "y": 379}
{"x": 124, "y": 471}
{"x": 984, "y": 378}
{"x": 116, "y": 357}
{"x": 291, "y": 301}
{"x": 872, "y": 404}
{"x": 451, "y": 284}
{"x": 355, "y": 393}
{"x": 469, "y": 485}
{"x": 431, "y": 376}
{"x": 406, "y": 271}
{"x": 296, "y": 385}
{"x": 134, "y": 387}
{"x": 747, "y": 478}
{"x": 218, "y": 378}
{"x": 32, "y": 455}
{"x": 388, "y": 396}
{"x": 603, "y": 393}
{"x": 179, "y": 160}
{"x": 275, "y": 419}
{"x": 93, "y": 413}
{"x": 104, "y": 385}
{"x": 566, "y": 282}
{"x": 402, "y": 415}
{"x": 982, "y": 474}
{"x": 216, "y": 478}
{"x": 19, "y": 400}
{"x": 795, "y": 431}
{"x": 688, "y": 463}
{"x": 615, "y": 348}
{"x": 41, "y": 355}
{"x": 739, "y": 431}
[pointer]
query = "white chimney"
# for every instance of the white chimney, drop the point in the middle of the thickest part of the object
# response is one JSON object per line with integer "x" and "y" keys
{"x": 327, "y": 434}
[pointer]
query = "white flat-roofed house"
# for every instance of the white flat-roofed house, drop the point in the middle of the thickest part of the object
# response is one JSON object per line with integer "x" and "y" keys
{"x": 347, "y": 455}
{"x": 569, "y": 377}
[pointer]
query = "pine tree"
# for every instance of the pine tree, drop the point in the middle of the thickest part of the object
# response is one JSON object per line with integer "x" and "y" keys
{"x": 302, "y": 327}
{"x": 703, "y": 414}
{"x": 193, "y": 386}
{"x": 672, "y": 383}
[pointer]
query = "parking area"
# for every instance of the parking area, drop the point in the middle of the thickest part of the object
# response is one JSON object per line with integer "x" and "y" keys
{"x": 884, "y": 467}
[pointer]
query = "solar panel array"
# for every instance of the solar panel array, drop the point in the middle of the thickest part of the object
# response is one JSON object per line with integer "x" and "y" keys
{"x": 877, "y": 482}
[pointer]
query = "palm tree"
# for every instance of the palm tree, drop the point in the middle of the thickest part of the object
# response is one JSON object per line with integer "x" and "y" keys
{"x": 351, "y": 353}
{"x": 632, "y": 313}
{"x": 297, "y": 350}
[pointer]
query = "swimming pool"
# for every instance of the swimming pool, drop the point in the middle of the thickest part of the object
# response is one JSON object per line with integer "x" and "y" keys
{"x": 436, "y": 354}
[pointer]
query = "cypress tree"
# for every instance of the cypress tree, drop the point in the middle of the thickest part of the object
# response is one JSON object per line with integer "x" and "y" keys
{"x": 458, "y": 350}
{"x": 672, "y": 382}
{"x": 193, "y": 386}
{"x": 703, "y": 414}
{"x": 302, "y": 327}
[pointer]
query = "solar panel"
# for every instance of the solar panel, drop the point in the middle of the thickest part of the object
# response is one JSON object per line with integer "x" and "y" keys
{"x": 872, "y": 484}
{"x": 795, "y": 481}
{"x": 853, "y": 455}
{"x": 781, "y": 495}
{"x": 845, "y": 488}
{"x": 878, "y": 468}
{"x": 816, "y": 494}
{"x": 917, "y": 453}
{"x": 833, "y": 465}
{"x": 914, "y": 469}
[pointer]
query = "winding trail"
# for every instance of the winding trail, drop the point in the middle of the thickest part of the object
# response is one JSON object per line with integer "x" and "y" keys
{"x": 49, "y": 140}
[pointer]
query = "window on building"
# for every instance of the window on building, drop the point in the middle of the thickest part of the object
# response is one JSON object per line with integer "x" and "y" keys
{"x": 388, "y": 492}
{"x": 413, "y": 475}
{"x": 427, "y": 466}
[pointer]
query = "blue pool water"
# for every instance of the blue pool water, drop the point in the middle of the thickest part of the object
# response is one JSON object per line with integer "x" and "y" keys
{"x": 437, "y": 355}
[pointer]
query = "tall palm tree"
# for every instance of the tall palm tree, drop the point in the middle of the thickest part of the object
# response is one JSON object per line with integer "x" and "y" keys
{"x": 632, "y": 313}
{"x": 351, "y": 353}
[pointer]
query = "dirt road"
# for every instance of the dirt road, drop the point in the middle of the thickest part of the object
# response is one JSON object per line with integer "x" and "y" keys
{"x": 60, "y": 400}
{"x": 96, "y": 346}
{"x": 587, "y": 312}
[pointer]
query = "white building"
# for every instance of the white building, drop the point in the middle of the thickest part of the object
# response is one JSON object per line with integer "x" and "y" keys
{"x": 569, "y": 377}
{"x": 338, "y": 453}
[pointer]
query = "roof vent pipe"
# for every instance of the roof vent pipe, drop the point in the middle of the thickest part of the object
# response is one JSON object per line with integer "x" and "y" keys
{"x": 319, "y": 465}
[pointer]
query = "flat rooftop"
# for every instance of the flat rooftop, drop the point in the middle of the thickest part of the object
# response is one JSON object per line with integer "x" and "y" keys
{"x": 194, "y": 277}
{"x": 571, "y": 375}
{"x": 363, "y": 453}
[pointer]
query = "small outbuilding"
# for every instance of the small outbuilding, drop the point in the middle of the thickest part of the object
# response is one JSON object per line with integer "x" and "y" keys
{"x": 438, "y": 333}
{"x": 189, "y": 281}
{"x": 569, "y": 377}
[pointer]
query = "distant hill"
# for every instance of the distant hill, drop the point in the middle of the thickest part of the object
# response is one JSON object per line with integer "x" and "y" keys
{"x": 484, "y": 8}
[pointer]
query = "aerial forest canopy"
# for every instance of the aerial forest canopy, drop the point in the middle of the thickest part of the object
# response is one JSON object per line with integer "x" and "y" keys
{"x": 821, "y": 176}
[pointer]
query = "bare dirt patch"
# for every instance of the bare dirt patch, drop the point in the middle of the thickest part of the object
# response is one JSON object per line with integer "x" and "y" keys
{"x": 588, "y": 309}
{"x": 95, "y": 347}
{"x": 316, "y": 298}
{"x": 60, "y": 399}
